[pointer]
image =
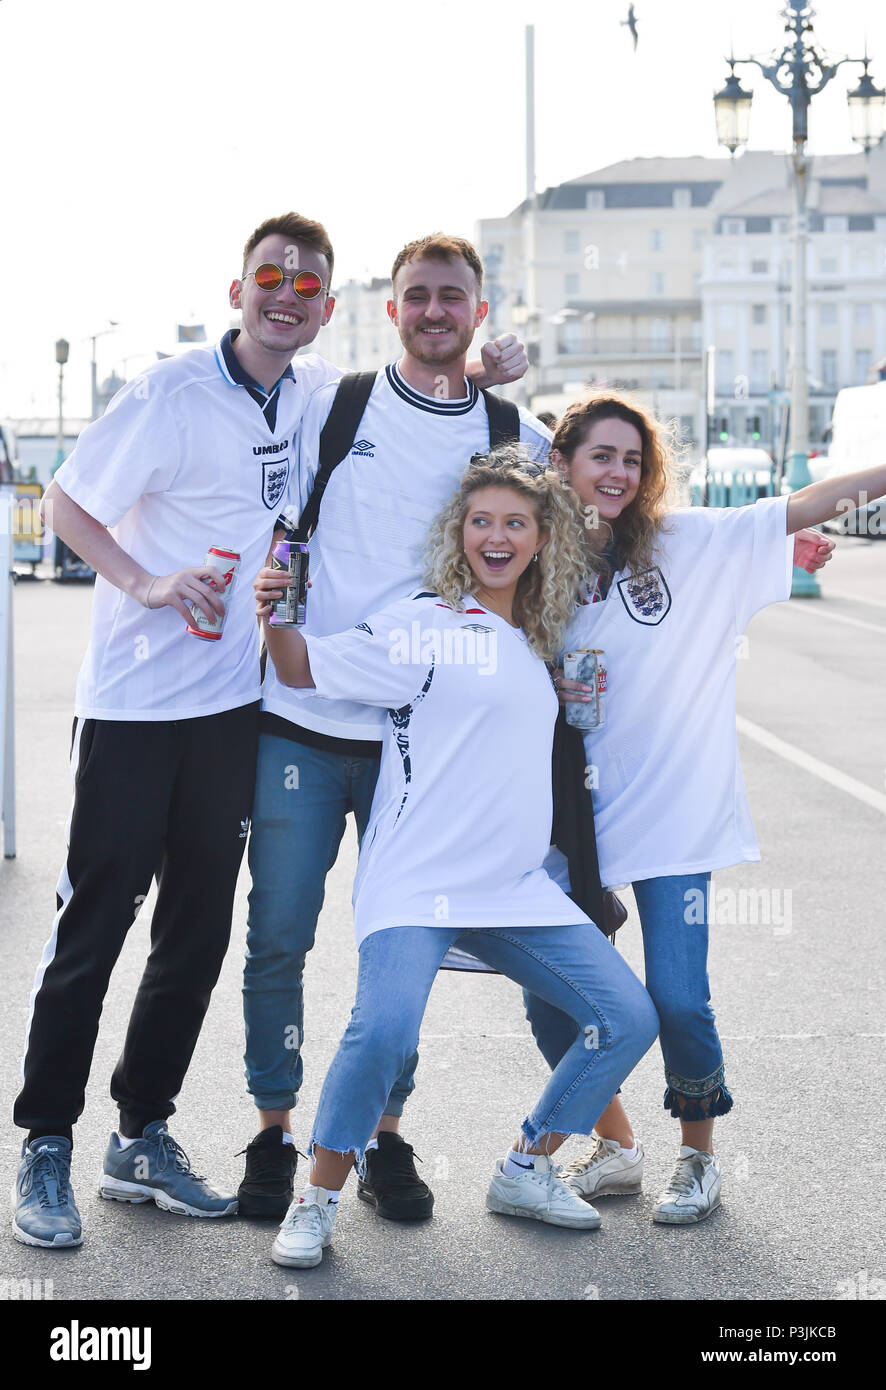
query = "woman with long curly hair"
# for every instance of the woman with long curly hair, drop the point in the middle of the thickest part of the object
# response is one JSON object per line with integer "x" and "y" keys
{"x": 458, "y": 834}
{"x": 678, "y": 589}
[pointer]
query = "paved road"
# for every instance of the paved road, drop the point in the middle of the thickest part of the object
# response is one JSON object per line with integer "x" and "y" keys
{"x": 799, "y": 1004}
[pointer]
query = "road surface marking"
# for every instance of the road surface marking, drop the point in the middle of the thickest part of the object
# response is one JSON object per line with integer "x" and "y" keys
{"x": 833, "y": 775}
{"x": 854, "y": 598}
{"x": 841, "y": 618}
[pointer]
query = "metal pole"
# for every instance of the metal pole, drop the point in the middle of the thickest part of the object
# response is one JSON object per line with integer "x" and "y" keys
{"x": 805, "y": 585}
{"x": 94, "y": 380}
{"x": 7, "y": 680}
{"x": 60, "y": 441}
{"x": 530, "y": 112}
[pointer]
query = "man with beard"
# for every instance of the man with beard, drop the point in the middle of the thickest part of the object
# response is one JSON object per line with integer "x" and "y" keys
{"x": 319, "y": 759}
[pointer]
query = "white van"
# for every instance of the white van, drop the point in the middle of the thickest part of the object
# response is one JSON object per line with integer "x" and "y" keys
{"x": 858, "y": 440}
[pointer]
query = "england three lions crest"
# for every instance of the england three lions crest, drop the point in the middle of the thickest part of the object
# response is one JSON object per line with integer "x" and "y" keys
{"x": 646, "y": 596}
{"x": 274, "y": 477}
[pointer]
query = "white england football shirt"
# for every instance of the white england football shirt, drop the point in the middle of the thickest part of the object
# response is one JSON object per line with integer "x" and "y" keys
{"x": 371, "y": 537}
{"x": 461, "y": 817}
{"x": 669, "y": 796}
{"x": 183, "y": 459}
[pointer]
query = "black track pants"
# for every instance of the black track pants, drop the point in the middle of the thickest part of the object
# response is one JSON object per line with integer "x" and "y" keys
{"x": 171, "y": 798}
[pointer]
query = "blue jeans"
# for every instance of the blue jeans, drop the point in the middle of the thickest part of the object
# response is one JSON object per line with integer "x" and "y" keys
{"x": 302, "y": 797}
{"x": 574, "y": 968}
{"x": 674, "y": 918}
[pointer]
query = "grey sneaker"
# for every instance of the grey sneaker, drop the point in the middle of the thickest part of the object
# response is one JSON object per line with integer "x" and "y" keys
{"x": 693, "y": 1191}
{"x": 604, "y": 1170}
{"x": 45, "y": 1211}
{"x": 156, "y": 1168}
{"x": 540, "y": 1195}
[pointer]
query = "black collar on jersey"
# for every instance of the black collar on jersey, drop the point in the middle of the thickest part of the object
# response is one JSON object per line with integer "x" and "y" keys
{"x": 432, "y": 404}
{"x": 267, "y": 400}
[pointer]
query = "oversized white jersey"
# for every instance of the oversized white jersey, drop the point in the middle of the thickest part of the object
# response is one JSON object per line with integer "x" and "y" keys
{"x": 369, "y": 546}
{"x": 461, "y": 817}
{"x": 183, "y": 459}
{"x": 669, "y": 796}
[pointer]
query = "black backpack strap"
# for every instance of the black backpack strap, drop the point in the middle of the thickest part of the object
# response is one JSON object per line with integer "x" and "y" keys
{"x": 504, "y": 420}
{"x": 336, "y": 439}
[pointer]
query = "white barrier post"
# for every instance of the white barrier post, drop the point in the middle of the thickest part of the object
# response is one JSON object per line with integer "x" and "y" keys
{"x": 7, "y": 681}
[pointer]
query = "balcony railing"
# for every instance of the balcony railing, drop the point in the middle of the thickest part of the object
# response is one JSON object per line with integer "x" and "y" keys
{"x": 628, "y": 347}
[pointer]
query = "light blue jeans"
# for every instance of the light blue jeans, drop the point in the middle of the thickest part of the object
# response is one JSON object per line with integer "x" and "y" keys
{"x": 574, "y": 968}
{"x": 302, "y": 797}
{"x": 674, "y": 918}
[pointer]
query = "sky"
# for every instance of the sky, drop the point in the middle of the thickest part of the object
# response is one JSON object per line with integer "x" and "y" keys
{"x": 140, "y": 144}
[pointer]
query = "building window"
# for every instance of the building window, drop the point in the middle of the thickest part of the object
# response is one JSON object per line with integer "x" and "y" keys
{"x": 781, "y": 226}
{"x": 725, "y": 316}
{"x": 827, "y": 313}
{"x": 836, "y": 224}
{"x": 759, "y": 371}
{"x": 657, "y": 239}
{"x": 696, "y": 333}
{"x": 864, "y": 262}
{"x": 725, "y": 365}
{"x": 571, "y": 285}
{"x": 733, "y": 226}
{"x": 758, "y": 313}
{"x": 863, "y": 315}
{"x": 571, "y": 242}
{"x": 682, "y": 198}
{"x": 862, "y": 365}
{"x": 829, "y": 367}
{"x": 657, "y": 283}
{"x": 725, "y": 265}
{"x": 595, "y": 199}
{"x": 827, "y": 265}
{"x": 759, "y": 267}
{"x": 659, "y": 334}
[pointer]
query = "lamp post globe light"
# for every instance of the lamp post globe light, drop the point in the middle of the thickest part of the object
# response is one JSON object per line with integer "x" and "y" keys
{"x": 799, "y": 72}
{"x": 61, "y": 356}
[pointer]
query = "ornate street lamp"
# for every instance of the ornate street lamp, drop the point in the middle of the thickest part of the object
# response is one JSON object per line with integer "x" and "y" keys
{"x": 732, "y": 108}
{"x": 799, "y": 72}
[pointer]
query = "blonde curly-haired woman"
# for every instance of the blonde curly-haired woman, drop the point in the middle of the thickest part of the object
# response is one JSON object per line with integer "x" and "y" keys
{"x": 458, "y": 834}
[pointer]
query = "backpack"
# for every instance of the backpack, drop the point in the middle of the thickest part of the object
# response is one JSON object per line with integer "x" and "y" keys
{"x": 338, "y": 435}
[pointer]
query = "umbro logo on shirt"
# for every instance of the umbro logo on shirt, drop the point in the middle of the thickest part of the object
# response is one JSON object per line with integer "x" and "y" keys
{"x": 364, "y": 448}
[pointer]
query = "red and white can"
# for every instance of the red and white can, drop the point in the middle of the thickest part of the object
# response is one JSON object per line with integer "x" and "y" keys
{"x": 228, "y": 561}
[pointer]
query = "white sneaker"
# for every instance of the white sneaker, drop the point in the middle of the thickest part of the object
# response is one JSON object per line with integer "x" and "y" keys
{"x": 539, "y": 1194}
{"x": 693, "y": 1191}
{"x": 306, "y": 1230}
{"x": 604, "y": 1170}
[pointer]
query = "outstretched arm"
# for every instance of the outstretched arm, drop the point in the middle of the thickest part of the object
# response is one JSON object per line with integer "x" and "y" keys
{"x": 822, "y": 501}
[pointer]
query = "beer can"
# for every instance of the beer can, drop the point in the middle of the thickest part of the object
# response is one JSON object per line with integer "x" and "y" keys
{"x": 228, "y": 561}
{"x": 587, "y": 665}
{"x": 289, "y": 611}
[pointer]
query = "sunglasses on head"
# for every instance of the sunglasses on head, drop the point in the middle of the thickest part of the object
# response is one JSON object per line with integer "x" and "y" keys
{"x": 269, "y": 277}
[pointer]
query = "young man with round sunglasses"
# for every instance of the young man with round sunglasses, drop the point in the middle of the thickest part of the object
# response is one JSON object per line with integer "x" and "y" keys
{"x": 423, "y": 421}
{"x": 196, "y": 453}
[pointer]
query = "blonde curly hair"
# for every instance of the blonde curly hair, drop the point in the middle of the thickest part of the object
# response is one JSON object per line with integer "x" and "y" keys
{"x": 547, "y": 589}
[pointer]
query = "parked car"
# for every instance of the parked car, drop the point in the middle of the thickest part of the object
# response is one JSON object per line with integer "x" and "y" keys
{"x": 730, "y": 477}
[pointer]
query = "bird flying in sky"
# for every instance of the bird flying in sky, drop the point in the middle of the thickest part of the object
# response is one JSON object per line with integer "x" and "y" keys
{"x": 631, "y": 23}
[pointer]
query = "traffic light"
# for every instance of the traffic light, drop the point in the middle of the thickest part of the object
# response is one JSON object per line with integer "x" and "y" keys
{"x": 724, "y": 430}
{"x": 753, "y": 426}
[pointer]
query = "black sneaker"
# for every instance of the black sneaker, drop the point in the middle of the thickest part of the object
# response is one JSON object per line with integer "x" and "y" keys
{"x": 266, "y": 1190}
{"x": 391, "y": 1184}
